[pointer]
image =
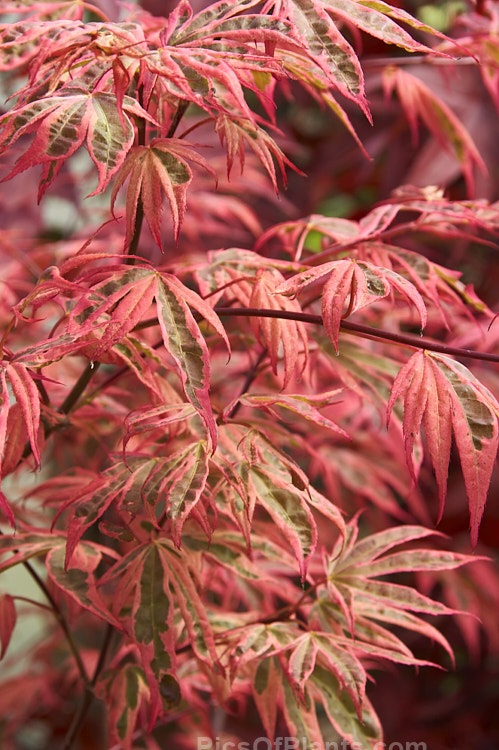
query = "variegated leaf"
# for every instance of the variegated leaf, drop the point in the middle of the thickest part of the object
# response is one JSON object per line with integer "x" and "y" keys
{"x": 450, "y": 400}
{"x": 63, "y": 122}
{"x": 154, "y": 171}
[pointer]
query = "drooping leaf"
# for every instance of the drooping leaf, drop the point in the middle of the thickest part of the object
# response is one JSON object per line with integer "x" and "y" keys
{"x": 27, "y": 397}
{"x": 63, "y": 122}
{"x": 145, "y": 606}
{"x": 20, "y": 41}
{"x": 25, "y": 545}
{"x": 357, "y": 284}
{"x": 297, "y": 404}
{"x": 363, "y": 732}
{"x": 154, "y": 171}
{"x": 153, "y": 580}
{"x": 441, "y": 286}
{"x": 301, "y": 717}
{"x": 79, "y": 581}
{"x": 26, "y": 394}
{"x": 451, "y": 401}
{"x": 124, "y": 690}
{"x": 186, "y": 481}
{"x": 186, "y": 344}
{"x": 54, "y": 8}
{"x": 328, "y": 47}
{"x": 251, "y": 280}
{"x": 288, "y": 511}
{"x": 314, "y": 649}
{"x": 185, "y": 26}
{"x": 8, "y": 619}
{"x": 226, "y": 548}
{"x": 128, "y": 293}
{"x": 266, "y": 684}
{"x": 116, "y": 304}
{"x": 419, "y": 101}
{"x": 139, "y": 357}
{"x": 267, "y": 477}
{"x": 376, "y": 19}
{"x": 238, "y": 133}
{"x": 150, "y": 418}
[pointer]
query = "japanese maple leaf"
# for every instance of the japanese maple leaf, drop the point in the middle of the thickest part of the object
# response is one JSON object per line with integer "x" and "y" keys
{"x": 451, "y": 401}
{"x": 360, "y": 283}
{"x": 238, "y": 132}
{"x": 46, "y": 8}
{"x": 154, "y": 581}
{"x": 364, "y": 602}
{"x": 118, "y": 303}
{"x": 27, "y": 397}
{"x": 63, "y": 122}
{"x": 251, "y": 280}
{"x": 419, "y": 102}
{"x": 156, "y": 170}
{"x": 317, "y": 25}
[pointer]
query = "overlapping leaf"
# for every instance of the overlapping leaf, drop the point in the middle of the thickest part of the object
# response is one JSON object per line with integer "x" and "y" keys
{"x": 313, "y": 649}
{"x": 251, "y": 280}
{"x": 380, "y": 19}
{"x": 448, "y": 399}
{"x": 269, "y": 478}
{"x": 442, "y": 286}
{"x": 27, "y": 544}
{"x": 238, "y": 133}
{"x": 156, "y": 418}
{"x": 125, "y": 691}
{"x": 63, "y": 122}
{"x": 362, "y": 731}
{"x": 298, "y": 404}
{"x": 153, "y": 581}
{"x": 185, "y": 26}
{"x": 20, "y": 41}
{"x": 418, "y": 101}
{"x": 211, "y": 58}
{"x": 316, "y": 25}
{"x": 79, "y": 582}
{"x": 54, "y": 8}
{"x": 116, "y": 304}
{"x": 275, "y": 680}
{"x": 18, "y": 377}
{"x": 144, "y": 603}
{"x": 357, "y": 283}
{"x": 154, "y": 171}
{"x": 227, "y": 549}
{"x": 156, "y": 487}
{"x": 359, "y": 602}
{"x": 330, "y": 50}
{"x": 186, "y": 344}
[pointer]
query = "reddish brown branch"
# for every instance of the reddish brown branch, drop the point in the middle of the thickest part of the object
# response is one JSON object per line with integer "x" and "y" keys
{"x": 405, "y": 339}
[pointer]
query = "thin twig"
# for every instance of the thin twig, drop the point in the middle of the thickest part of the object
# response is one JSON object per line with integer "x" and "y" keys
{"x": 248, "y": 381}
{"x": 72, "y": 398}
{"x": 404, "y": 339}
{"x": 382, "y": 62}
{"x": 181, "y": 110}
{"x": 139, "y": 212}
{"x": 60, "y": 618}
{"x": 88, "y": 695}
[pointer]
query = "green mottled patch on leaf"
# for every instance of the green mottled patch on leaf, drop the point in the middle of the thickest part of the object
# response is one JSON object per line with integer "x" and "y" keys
{"x": 151, "y": 616}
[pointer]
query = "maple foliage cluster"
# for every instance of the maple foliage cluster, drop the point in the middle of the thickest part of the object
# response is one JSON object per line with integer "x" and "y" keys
{"x": 228, "y": 415}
